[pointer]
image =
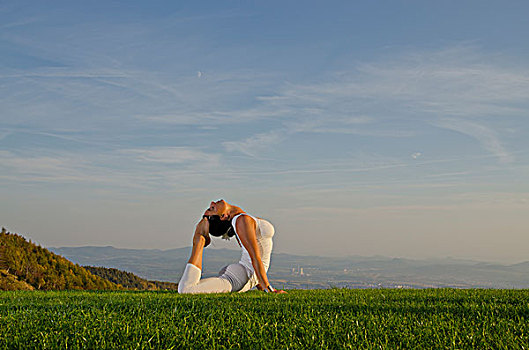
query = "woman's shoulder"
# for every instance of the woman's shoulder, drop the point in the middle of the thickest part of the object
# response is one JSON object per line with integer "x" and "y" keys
{"x": 246, "y": 218}
{"x": 235, "y": 217}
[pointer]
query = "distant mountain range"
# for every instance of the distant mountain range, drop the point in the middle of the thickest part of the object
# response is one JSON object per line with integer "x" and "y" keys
{"x": 307, "y": 272}
{"x": 24, "y": 265}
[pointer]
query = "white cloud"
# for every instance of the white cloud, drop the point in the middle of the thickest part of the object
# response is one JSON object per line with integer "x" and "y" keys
{"x": 485, "y": 135}
{"x": 59, "y": 168}
{"x": 384, "y": 98}
{"x": 213, "y": 117}
{"x": 21, "y": 22}
{"x": 444, "y": 88}
{"x": 456, "y": 89}
{"x": 255, "y": 143}
{"x": 381, "y": 99}
{"x": 173, "y": 155}
{"x": 416, "y": 155}
{"x": 145, "y": 169}
{"x": 456, "y": 81}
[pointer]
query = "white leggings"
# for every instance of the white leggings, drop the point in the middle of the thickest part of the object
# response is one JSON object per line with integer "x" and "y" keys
{"x": 232, "y": 278}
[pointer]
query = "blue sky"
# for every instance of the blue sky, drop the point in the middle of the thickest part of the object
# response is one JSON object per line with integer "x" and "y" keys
{"x": 393, "y": 128}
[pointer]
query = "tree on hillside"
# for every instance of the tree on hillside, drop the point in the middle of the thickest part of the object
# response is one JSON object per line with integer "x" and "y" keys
{"x": 42, "y": 269}
{"x": 129, "y": 280}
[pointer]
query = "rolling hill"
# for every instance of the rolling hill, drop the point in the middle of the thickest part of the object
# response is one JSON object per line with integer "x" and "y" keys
{"x": 27, "y": 266}
{"x": 129, "y": 280}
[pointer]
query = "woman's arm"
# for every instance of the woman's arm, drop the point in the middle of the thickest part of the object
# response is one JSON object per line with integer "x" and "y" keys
{"x": 246, "y": 232}
{"x": 200, "y": 240}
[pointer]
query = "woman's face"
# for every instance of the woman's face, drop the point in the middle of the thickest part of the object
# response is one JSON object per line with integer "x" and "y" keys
{"x": 218, "y": 208}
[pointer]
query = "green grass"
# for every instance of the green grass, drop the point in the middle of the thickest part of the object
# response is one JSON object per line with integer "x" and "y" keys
{"x": 334, "y": 319}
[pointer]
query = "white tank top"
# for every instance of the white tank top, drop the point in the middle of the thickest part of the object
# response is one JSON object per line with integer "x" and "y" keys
{"x": 234, "y": 222}
{"x": 264, "y": 232}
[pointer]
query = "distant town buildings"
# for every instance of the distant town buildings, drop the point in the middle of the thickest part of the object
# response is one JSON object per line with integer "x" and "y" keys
{"x": 298, "y": 271}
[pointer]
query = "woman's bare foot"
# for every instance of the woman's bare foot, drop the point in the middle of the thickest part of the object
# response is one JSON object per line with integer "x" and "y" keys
{"x": 200, "y": 239}
{"x": 202, "y": 230}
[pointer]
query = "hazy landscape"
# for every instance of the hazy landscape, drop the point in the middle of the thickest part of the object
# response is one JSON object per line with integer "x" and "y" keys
{"x": 386, "y": 142}
{"x": 309, "y": 272}
{"x": 47, "y": 301}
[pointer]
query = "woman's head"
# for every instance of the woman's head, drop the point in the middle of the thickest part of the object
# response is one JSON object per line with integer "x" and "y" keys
{"x": 218, "y": 227}
{"x": 220, "y": 208}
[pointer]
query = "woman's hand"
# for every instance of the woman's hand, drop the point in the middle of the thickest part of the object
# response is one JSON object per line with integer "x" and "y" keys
{"x": 279, "y": 291}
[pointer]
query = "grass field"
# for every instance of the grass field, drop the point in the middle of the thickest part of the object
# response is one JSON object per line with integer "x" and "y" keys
{"x": 338, "y": 318}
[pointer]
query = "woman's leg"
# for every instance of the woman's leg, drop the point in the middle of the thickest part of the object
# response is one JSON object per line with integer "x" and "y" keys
{"x": 190, "y": 283}
{"x": 236, "y": 274}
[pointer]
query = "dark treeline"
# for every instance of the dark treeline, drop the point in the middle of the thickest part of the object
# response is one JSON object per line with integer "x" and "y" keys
{"x": 129, "y": 280}
{"x": 25, "y": 265}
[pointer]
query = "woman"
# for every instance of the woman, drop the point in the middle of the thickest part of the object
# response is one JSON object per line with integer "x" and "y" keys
{"x": 255, "y": 238}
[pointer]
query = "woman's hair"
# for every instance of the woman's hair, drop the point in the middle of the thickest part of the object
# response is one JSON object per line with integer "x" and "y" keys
{"x": 220, "y": 228}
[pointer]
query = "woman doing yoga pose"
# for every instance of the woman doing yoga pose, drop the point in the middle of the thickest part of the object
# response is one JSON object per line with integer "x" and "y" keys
{"x": 253, "y": 234}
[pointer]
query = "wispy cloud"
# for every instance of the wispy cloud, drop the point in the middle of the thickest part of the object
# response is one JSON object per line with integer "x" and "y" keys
{"x": 388, "y": 98}
{"x": 63, "y": 168}
{"x": 128, "y": 168}
{"x": 213, "y": 117}
{"x": 173, "y": 155}
{"x": 452, "y": 203}
{"x": 443, "y": 88}
{"x": 21, "y": 22}
{"x": 485, "y": 135}
{"x": 255, "y": 143}
{"x": 456, "y": 89}
{"x": 456, "y": 81}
